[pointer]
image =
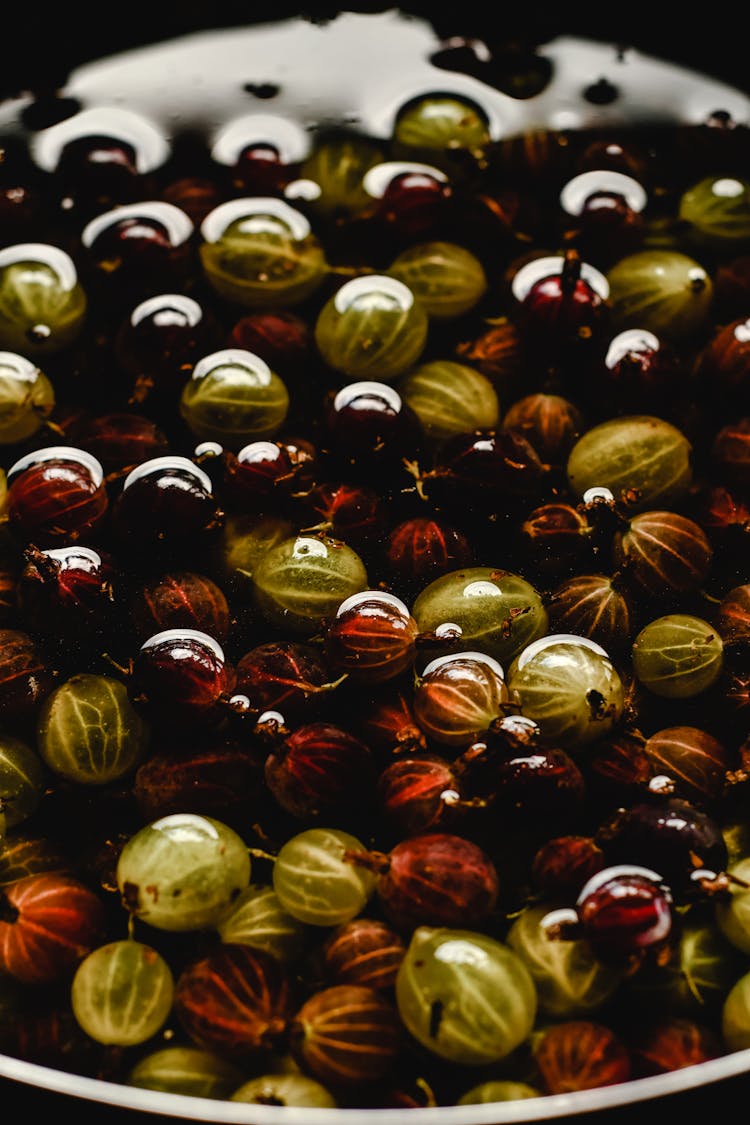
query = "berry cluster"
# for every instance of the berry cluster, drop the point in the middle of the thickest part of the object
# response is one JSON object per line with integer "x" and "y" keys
{"x": 375, "y": 609}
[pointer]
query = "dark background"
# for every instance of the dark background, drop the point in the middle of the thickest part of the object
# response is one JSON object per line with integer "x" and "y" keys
{"x": 41, "y": 44}
{"x": 39, "y": 50}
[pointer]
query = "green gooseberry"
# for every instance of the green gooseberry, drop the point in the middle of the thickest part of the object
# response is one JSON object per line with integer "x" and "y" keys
{"x": 678, "y": 656}
{"x": 42, "y": 304}
{"x": 261, "y": 253}
{"x": 465, "y": 996}
{"x": 192, "y": 1071}
{"x": 663, "y": 291}
{"x": 437, "y": 124}
{"x": 696, "y": 978}
{"x": 286, "y": 1090}
{"x": 735, "y": 1015}
{"x": 643, "y": 460}
{"x": 737, "y": 839}
{"x": 182, "y": 872}
{"x": 122, "y": 993}
{"x": 569, "y": 687}
{"x": 27, "y": 398}
{"x": 317, "y": 882}
{"x": 371, "y": 328}
{"x": 450, "y": 398}
{"x": 23, "y": 779}
{"x": 258, "y": 919}
{"x": 234, "y": 397}
{"x": 717, "y": 213}
{"x": 446, "y": 279}
{"x": 571, "y": 982}
{"x": 499, "y": 1090}
{"x": 303, "y": 581}
{"x": 732, "y": 912}
{"x": 245, "y": 539}
{"x": 89, "y": 732}
{"x": 337, "y": 167}
{"x": 481, "y": 608}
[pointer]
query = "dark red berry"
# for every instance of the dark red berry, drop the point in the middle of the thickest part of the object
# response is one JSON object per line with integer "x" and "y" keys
{"x": 487, "y": 474}
{"x": 673, "y": 1044}
{"x": 260, "y": 169}
{"x": 421, "y": 549}
{"x": 638, "y": 364}
{"x": 372, "y": 638}
{"x": 437, "y": 879}
{"x": 696, "y": 761}
{"x": 216, "y": 780}
{"x": 159, "y": 343}
{"x": 594, "y": 606}
{"x": 420, "y": 793}
{"x": 280, "y": 337}
{"x": 725, "y": 359}
{"x": 166, "y": 507}
{"x": 235, "y": 1002}
{"x": 121, "y": 441}
{"x": 555, "y": 537}
{"x": 730, "y": 451}
{"x": 364, "y": 952}
{"x": 260, "y": 477}
{"x": 562, "y": 308}
{"x": 181, "y": 673}
{"x": 671, "y": 835}
{"x": 624, "y": 911}
{"x": 25, "y": 677}
{"x": 346, "y": 1035}
{"x": 563, "y": 865}
{"x": 319, "y": 770}
{"x": 388, "y": 724}
{"x": 284, "y": 676}
{"x": 353, "y": 513}
{"x": 48, "y": 924}
{"x": 180, "y": 599}
{"x": 413, "y": 202}
{"x": 581, "y": 1055}
{"x": 550, "y": 422}
{"x": 68, "y": 593}
{"x": 663, "y": 553}
{"x": 371, "y": 430}
{"x": 56, "y": 496}
{"x": 734, "y": 615}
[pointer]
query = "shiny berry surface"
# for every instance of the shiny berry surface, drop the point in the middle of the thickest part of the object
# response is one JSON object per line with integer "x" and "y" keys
{"x": 679, "y": 838}
{"x": 182, "y": 668}
{"x": 372, "y": 638}
{"x": 165, "y": 504}
{"x": 459, "y": 696}
{"x": 624, "y": 910}
{"x": 67, "y": 588}
{"x": 56, "y": 496}
{"x": 374, "y": 557}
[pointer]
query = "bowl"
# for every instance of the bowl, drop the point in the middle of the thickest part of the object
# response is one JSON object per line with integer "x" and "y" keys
{"x": 201, "y": 82}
